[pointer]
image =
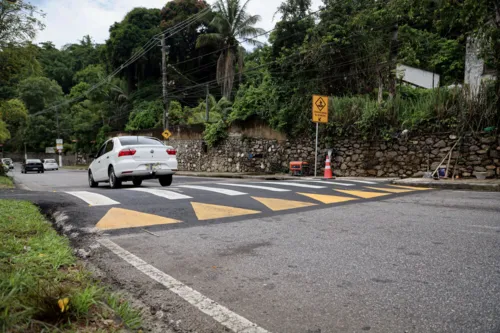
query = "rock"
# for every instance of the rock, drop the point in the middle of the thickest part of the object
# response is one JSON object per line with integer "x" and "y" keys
{"x": 440, "y": 144}
{"x": 466, "y": 174}
{"x": 354, "y": 157}
{"x": 418, "y": 174}
{"x": 494, "y": 154}
{"x": 403, "y": 148}
{"x": 490, "y": 173}
{"x": 482, "y": 152}
{"x": 473, "y": 148}
{"x": 498, "y": 171}
{"x": 355, "y": 145}
{"x": 489, "y": 139}
{"x": 429, "y": 141}
{"x": 379, "y": 154}
{"x": 372, "y": 172}
{"x": 391, "y": 154}
{"x": 434, "y": 165}
{"x": 384, "y": 147}
{"x": 479, "y": 169}
{"x": 380, "y": 173}
{"x": 491, "y": 167}
{"x": 343, "y": 167}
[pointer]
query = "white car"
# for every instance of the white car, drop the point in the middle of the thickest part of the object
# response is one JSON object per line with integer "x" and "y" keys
{"x": 50, "y": 164}
{"x": 133, "y": 158}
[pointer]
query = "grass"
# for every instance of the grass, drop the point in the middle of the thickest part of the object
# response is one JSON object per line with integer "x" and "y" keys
{"x": 6, "y": 182}
{"x": 43, "y": 288}
{"x": 75, "y": 167}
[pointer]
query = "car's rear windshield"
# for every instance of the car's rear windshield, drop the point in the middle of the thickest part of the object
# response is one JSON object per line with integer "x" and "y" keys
{"x": 50, "y": 161}
{"x": 33, "y": 161}
{"x": 138, "y": 140}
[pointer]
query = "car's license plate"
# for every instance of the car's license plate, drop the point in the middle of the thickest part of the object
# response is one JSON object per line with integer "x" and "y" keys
{"x": 35, "y": 168}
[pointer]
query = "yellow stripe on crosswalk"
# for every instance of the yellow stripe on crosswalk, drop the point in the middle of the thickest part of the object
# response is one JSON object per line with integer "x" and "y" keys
{"x": 281, "y": 204}
{"x": 327, "y": 199}
{"x": 363, "y": 194}
{"x": 119, "y": 218}
{"x": 412, "y": 187}
{"x": 391, "y": 190}
{"x": 210, "y": 212}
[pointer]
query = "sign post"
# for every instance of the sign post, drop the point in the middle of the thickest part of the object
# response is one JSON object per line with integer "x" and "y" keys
{"x": 319, "y": 115}
{"x": 59, "y": 147}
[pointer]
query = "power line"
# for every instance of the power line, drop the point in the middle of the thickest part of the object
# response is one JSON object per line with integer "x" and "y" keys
{"x": 144, "y": 49}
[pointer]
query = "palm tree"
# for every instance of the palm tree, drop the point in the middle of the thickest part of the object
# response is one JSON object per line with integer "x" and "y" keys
{"x": 231, "y": 21}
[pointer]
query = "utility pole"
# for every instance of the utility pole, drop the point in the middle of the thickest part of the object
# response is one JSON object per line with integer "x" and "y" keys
{"x": 58, "y": 136}
{"x": 164, "y": 80}
{"x": 207, "y": 108}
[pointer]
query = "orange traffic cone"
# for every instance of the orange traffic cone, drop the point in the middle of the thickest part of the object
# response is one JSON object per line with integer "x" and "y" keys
{"x": 328, "y": 168}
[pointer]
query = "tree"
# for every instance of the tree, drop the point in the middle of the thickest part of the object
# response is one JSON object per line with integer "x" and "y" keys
{"x": 17, "y": 62}
{"x": 126, "y": 38}
{"x": 18, "y": 22}
{"x": 14, "y": 113}
{"x": 4, "y": 132}
{"x": 39, "y": 92}
{"x": 231, "y": 21}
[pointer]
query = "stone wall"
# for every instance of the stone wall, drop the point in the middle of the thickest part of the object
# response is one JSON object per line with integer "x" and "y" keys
{"x": 410, "y": 156}
{"x": 254, "y": 147}
{"x": 68, "y": 159}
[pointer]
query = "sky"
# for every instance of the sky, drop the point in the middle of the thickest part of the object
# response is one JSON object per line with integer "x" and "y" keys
{"x": 67, "y": 21}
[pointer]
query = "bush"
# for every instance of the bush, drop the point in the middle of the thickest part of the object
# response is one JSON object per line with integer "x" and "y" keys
{"x": 214, "y": 133}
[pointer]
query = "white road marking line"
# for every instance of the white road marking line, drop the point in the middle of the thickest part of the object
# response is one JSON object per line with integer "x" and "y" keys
{"x": 294, "y": 184}
{"x": 267, "y": 188}
{"x": 484, "y": 226}
{"x": 221, "y": 314}
{"x": 326, "y": 182}
{"x": 213, "y": 189}
{"x": 360, "y": 181}
{"x": 161, "y": 193}
{"x": 94, "y": 199}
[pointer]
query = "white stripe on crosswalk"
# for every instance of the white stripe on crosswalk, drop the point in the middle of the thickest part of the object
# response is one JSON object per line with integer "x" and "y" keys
{"x": 360, "y": 181}
{"x": 327, "y": 182}
{"x": 171, "y": 195}
{"x": 94, "y": 199}
{"x": 294, "y": 184}
{"x": 213, "y": 189}
{"x": 266, "y": 188}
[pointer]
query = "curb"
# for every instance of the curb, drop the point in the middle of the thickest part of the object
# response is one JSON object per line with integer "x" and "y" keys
{"x": 451, "y": 186}
{"x": 236, "y": 176}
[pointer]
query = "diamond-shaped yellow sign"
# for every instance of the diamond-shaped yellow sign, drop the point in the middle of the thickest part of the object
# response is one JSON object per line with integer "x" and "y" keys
{"x": 320, "y": 109}
{"x": 166, "y": 134}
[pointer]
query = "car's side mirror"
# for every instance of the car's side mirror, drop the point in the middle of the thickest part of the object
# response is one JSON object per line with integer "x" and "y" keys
{"x": 91, "y": 156}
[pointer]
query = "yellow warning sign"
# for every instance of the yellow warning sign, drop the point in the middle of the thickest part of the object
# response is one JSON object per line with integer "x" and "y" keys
{"x": 320, "y": 109}
{"x": 166, "y": 134}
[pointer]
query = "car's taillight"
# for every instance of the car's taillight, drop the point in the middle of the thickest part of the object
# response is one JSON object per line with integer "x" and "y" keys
{"x": 127, "y": 152}
{"x": 171, "y": 151}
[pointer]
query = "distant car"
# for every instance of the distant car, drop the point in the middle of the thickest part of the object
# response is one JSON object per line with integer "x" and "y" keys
{"x": 32, "y": 165}
{"x": 8, "y": 162}
{"x": 133, "y": 158}
{"x": 50, "y": 164}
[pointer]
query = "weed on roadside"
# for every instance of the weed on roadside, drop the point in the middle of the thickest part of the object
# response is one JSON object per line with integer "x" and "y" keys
{"x": 43, "y": 288}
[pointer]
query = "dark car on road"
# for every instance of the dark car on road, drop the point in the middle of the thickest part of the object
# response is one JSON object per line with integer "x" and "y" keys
{"x": 32, "y": 165}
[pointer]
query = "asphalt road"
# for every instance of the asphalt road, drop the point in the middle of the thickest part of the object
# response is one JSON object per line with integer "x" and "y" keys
{"x": 297, "y": 260}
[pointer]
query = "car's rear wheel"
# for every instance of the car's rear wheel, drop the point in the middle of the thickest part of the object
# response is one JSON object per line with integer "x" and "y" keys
{"x": 114, "y": 182}
{"x": 137, "y": 182}
{"x": 92, "y": 183}
{"x": 166, "y": 180}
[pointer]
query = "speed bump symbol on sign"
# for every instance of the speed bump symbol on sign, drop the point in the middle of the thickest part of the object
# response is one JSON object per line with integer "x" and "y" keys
{"x": 320, "y": 109}
{"x": 166, "y": 134}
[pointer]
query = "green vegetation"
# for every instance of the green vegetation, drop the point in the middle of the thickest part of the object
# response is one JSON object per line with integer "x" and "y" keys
{"x": 347, "y": 50}
{"x": 5, "y": 181}
{"x": 43, "y": 288}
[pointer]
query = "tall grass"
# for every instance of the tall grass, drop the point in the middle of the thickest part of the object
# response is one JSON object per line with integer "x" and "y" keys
{"x": 413, "y": 109}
